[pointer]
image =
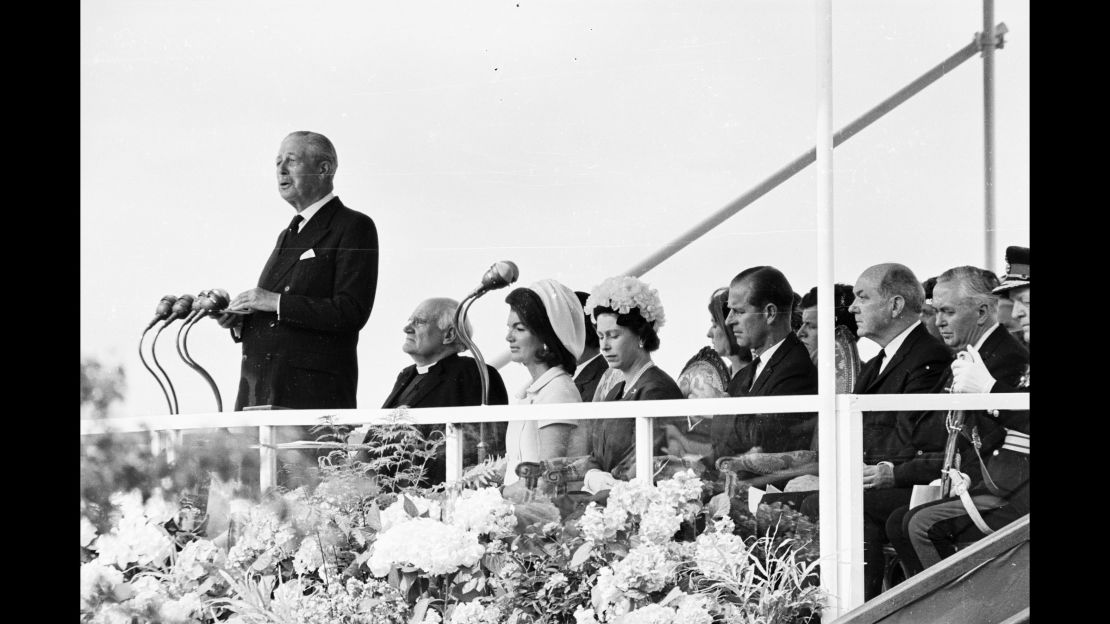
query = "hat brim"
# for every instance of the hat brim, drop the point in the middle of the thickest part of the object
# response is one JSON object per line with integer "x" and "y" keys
{"x": 1010, "y": 284}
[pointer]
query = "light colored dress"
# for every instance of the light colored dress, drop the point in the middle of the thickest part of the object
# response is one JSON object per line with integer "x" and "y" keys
{"x": 522, "y": 438}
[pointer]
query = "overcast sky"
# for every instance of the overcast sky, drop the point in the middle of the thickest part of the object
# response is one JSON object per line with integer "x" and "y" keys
{"x": 571, "y": 137}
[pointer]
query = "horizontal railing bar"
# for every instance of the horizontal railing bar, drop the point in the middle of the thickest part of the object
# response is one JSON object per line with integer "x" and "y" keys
{"x": 583, "y": 411}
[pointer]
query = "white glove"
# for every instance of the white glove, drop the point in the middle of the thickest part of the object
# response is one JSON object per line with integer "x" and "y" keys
{"x": 597, "y": 480}
{"x": 970, "y": 375}
{"x": 960, "y": 482}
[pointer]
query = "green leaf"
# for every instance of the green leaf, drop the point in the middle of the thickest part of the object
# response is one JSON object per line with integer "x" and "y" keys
{"x": 419, "y": 609}
{"x": 410, "y": 507}
{"x": 718, "y": 506}
{"x": 582, "y": 554}
{"x": 374, "y": 518}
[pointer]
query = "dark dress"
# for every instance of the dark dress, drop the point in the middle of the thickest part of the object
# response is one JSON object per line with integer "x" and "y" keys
{"x": 612, "y": 443}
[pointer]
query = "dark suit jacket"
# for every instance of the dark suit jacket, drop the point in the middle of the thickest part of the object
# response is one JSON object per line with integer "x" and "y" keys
{"x": 915, "y": 368}
{"x": 452, "y": 381}
{"x": 587, "y": 380}
{"x": 790, "y": 371}
{"x": 612, "y": 443}
{"x": 922, "y": 454}
{"x": 307, "y": 358}
{"x": 449, "y": 382}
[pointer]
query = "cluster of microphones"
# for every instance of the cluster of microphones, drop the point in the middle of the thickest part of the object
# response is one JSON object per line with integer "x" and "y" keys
{"x": 190, "y": 309}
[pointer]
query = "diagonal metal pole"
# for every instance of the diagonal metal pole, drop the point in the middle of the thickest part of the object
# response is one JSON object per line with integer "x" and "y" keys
{"x": 799, "y": 163}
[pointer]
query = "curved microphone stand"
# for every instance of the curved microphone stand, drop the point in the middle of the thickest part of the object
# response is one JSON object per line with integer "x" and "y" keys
{"x": 499, "y": 275}
{"x": 483, "y": 374}
{"x": 154, "y": 356}
{"x": 204, "y": 302}
{"x": 151, "y": 370}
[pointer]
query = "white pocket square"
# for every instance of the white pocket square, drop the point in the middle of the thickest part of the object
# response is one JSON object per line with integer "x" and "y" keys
{"x": 308, "y": 254}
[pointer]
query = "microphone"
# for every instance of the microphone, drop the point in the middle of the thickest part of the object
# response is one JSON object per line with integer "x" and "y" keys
{"x": 203, "y": 305}
{"x": 216, "y": 300}
{"x": 499, "y": 275}
{"x": 164, "y": 309}
{"x": 181, "y": 309}
{"x": 165, "y": 306}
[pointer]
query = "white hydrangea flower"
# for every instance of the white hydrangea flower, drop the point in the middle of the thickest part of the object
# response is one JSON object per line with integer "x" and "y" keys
{"x": 157, "y": 509}
{"x": 431, "y": 616}
{"x": 149, "y": 592}
{"x": 309, "y": 557}
{"x": 88, "y": 531}
{"x": 98, "y": 577}
{"x": 112, "y": 614}
{"x": 720, "y": 556}
{"x": 428, "y": 544}
{"x": 484, "y": 511}
{"x": 647, "y": 568}
{"x": 555, "y": 580}
{"x": 396, "y": 514}
{"x": 197, "y": 557}
{"x": 180, "y": 611}
{"x": 693, "y": 609}
{"x": 584, "y": 616}
{"x": 649, "y": 614}
{"x": 474, "y": 612}
{"x": 659, "y": 524}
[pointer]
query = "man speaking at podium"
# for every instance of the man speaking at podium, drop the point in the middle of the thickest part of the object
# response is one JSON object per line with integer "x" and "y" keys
{"x": 299, "y": 328}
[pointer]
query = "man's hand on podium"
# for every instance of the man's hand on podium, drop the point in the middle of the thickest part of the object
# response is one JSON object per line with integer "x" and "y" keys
{"x": 255, "y": 300}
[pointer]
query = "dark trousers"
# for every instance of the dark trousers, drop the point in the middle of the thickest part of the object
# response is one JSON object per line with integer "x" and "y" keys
{"x": 943, "y": 531}
{"x": 877, "y": 507}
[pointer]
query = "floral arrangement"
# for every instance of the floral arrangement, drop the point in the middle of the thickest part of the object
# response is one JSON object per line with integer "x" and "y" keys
{"x": 347, "y": 550}
{"x": 624, "y": 293}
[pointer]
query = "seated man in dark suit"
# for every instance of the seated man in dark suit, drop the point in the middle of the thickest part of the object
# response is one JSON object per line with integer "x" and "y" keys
{"x": 760, "y": 302}
{"x": 439, "y": 376}
{"x": 967, "y": 316}
{"x": 887, "y": 306}
{"x": 591, "y": 365}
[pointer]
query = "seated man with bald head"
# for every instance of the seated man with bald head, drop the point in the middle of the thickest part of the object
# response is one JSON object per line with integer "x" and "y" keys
{"x": 439, "y": 376}
{"x": 887, "y": 307}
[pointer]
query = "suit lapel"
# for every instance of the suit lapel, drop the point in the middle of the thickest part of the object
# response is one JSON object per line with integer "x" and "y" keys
{"x": 402, "y": 380}
{"x": 434, "y": 377}
{"x": 898, "y": 357}
{"x": 769, "y": 368}
{"x": 286, "y": 257}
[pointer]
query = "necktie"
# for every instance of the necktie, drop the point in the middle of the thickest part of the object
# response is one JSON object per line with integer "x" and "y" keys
{"x": 295, "y": 225}
{"x": 292, "y": 230}
{"x": 872, "y": 372}
{"x": 754, "y": 366}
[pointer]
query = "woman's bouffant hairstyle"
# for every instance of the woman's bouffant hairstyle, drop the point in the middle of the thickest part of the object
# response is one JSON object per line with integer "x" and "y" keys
{"x": 533, "y": 314}
{"x": 643, "y": 329}
{"x": 842, "y": 300}
{"x": 718, "y": 309}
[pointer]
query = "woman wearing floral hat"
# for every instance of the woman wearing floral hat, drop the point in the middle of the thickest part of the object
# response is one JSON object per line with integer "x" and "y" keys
{"x": 547, "y": 334}
{"x": 628, "y": 316}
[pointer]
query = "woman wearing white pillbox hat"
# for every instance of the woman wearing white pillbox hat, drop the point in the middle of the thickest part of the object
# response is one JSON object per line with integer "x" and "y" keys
{"x": 547, "y": 333}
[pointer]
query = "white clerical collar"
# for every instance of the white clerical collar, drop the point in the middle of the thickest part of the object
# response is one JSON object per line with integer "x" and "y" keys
{"x": 578, "y": 369}
{"x": 308, "y": 213}
{"x": 983, "y": 338}
{"x": 892, "y": 347}
{"x": 766, "y": 357}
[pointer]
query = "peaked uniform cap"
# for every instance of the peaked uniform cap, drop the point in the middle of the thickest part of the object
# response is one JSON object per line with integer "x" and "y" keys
{"x": 1017, "y": 269}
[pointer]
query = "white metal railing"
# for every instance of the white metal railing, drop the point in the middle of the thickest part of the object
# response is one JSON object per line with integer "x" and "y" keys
{"x": 841, "y": 465}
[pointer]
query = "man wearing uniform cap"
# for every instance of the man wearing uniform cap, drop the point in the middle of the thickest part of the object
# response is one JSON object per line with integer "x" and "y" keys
{"x": 1002, "y": 495}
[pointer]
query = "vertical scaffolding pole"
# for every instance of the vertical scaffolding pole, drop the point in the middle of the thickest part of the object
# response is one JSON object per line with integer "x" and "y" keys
{"x": 988, "y": 43}
{"x": 841, "y": 523}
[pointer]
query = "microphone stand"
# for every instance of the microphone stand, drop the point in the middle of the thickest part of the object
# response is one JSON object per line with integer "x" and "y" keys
{"x": 483, "y": 374}
{"x": 154, "y": 356}
{"x": 183, "y": 350}
{"x": 151, "y": 370}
